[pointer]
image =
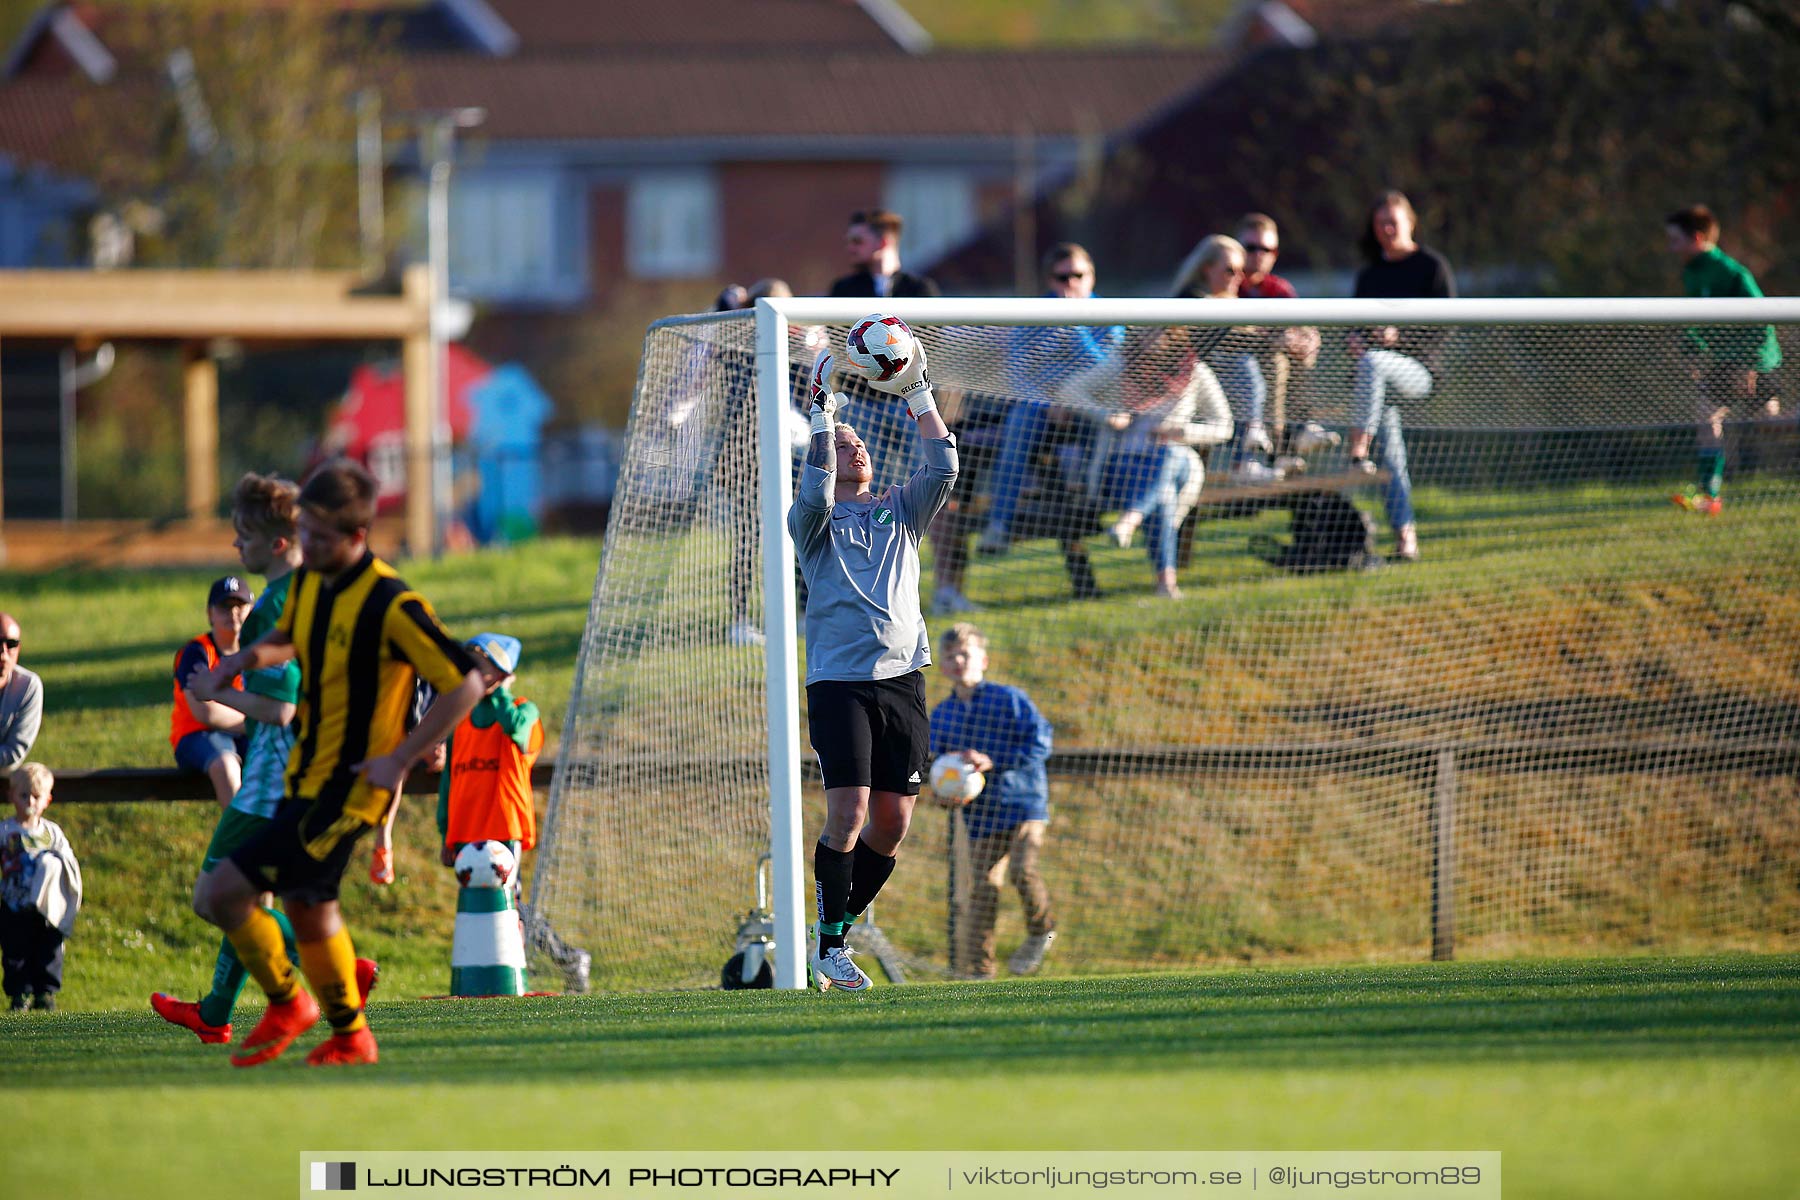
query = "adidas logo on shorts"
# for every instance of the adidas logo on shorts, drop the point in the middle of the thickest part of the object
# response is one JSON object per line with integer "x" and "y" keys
{"x": 915, "y": 778}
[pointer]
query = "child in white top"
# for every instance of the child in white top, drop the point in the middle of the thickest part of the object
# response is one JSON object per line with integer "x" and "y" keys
{"x": 40, "y": 891}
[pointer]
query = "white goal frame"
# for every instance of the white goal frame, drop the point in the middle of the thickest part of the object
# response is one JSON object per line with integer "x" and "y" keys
{"x": 774, "y": 318}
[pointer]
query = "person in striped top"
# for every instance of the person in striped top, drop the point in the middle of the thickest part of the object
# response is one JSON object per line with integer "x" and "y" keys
{"x": 359, "y": 635}
{"x": 263, "y": 514}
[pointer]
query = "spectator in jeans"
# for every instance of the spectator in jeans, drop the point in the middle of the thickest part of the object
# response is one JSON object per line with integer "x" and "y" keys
{"x": 21, "y": 700}
{"x": 1282, "y": 349}
{"x": 1144, "y": 460}
{"x": 1392, "y": 363}
{"x": 1213, "y": 271}
{"x": 1046, "y": 364}
{"x": 998, "y": 731}
{"x": 1731, "y": 364}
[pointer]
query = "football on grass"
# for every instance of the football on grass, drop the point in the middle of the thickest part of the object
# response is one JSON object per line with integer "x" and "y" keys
{"x": 879, "y": 347}
{"x": 954, "y": 780}
{"x": 485, "y": 865}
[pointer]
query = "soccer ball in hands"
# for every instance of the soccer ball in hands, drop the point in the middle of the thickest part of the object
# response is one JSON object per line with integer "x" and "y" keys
{"x": 880, "y": 347}
{"x": 954, "y": 780}
{"x": 485, "y": 865}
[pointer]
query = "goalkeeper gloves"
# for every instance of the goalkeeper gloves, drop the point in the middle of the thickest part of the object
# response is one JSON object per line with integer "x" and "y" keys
{"x": 912, "y": 384}
{"x": 825, "y": 402}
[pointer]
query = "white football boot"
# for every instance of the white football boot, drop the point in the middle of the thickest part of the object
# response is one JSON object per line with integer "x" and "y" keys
{"x": 835, "y": 969}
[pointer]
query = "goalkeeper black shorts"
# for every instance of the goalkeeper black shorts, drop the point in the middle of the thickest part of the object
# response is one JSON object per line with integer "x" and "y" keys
{"x": 871, "y": 733}
{"x": 303, "y": 850}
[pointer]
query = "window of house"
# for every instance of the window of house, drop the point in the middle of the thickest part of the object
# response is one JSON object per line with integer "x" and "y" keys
{"x": 938, "y": 205}
{"x": 510, "y": 238}
{"x": 672, "y": 224}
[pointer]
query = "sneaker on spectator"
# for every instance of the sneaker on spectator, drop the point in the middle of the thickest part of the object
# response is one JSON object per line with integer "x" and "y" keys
{"x": 995, "y": 539}
{"x": 44, "y": 1001}
{"x": 1030, "y": 954}
{"x": 743, "y": 633}
{"x": 1256, "y": 439}
{"x": 1124, "y": 529}
{"x": 1252, "y": 471}
{"x": 1313, "y": 436}
{"x": 946, "y": 601}
{"x": 1406, "y": 544}
{"x": 20, "y": 1002}
{"x": 1290, "y": 464}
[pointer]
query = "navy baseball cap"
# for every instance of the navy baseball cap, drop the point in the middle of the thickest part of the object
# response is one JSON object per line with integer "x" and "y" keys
{"x": 229, "y": 590}
{"x": 501, "y": 650}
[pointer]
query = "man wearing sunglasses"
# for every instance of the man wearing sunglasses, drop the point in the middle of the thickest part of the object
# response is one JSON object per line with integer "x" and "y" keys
{"x": 21, "y": 700}
{"x": 1295, "y": 347}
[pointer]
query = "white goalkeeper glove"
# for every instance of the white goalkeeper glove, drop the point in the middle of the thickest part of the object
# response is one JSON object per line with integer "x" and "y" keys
{"x": 825, "y": 402}
{"x": 912, "y": 384}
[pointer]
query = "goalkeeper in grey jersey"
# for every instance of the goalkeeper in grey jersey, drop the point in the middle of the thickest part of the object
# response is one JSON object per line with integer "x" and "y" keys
{"x": 866, "y": 648}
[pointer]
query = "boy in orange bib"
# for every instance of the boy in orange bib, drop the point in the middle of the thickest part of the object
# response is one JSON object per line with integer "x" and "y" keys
{"x": 484, "y": 793}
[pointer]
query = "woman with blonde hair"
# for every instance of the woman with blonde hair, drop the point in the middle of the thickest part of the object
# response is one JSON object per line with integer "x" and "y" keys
{"x": 1145, "y": 458}
{"x": 1212, "y": 271}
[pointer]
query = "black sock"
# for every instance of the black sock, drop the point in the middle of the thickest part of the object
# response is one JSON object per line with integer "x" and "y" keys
{"x": 872, "y": 871}
{"x": 831, "y": 888}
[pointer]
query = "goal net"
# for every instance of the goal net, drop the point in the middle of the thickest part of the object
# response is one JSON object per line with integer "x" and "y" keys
{"x": 1571, "y": 725}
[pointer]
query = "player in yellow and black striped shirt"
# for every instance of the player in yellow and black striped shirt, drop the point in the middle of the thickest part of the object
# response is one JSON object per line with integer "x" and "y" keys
{"x": 360, "y": 635}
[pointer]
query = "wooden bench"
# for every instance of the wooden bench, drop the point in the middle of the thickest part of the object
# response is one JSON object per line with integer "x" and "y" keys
{"x": 1280, "y": 492}
{"x": 131, "y": 785}
{"x": 1328, "y": 532}
{"x": 1324, "y": 519}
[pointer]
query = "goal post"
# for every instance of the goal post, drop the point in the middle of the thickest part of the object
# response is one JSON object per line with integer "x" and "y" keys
{"x": 1571, "y": 727}
{"x": 787, "y": 858}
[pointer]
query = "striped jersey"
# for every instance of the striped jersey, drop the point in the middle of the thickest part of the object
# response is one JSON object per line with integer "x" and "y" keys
{"x": 359, "y": 642}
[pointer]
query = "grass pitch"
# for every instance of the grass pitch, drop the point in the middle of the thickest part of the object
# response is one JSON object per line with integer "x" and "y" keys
{"x": 1594, "y": 1078}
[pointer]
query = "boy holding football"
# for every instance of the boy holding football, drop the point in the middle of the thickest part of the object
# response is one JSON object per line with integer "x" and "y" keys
{"x": 999, "y": 732}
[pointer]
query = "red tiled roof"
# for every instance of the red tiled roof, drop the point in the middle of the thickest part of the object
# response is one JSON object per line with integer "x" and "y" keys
{"x": 789, "y": 96}
{"x": 614, "y": 25}
{"x": 809, "y": 95}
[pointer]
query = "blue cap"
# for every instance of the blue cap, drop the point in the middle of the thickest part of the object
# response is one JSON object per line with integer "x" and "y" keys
{"x": 229, "y": 590}
{"x": 501, "y": 650}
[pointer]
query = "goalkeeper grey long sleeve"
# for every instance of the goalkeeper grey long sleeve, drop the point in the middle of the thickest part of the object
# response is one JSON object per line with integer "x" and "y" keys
{"x": 860, "y": 559}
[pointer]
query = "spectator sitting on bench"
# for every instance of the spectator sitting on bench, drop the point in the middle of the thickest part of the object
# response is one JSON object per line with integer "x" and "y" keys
{"x": 1230, "y": 352}
{"x": 1280, "y": 351}
{"x": 1144, "y": 460}
{"x": 1045, "y": 365}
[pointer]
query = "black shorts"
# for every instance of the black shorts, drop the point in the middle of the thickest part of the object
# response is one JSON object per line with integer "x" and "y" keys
{"x": 871, "y": 733}
{"x": 306, "y": 846}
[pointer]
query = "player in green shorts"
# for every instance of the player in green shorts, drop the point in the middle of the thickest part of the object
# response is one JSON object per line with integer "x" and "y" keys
{"x": 264, "y": 513}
